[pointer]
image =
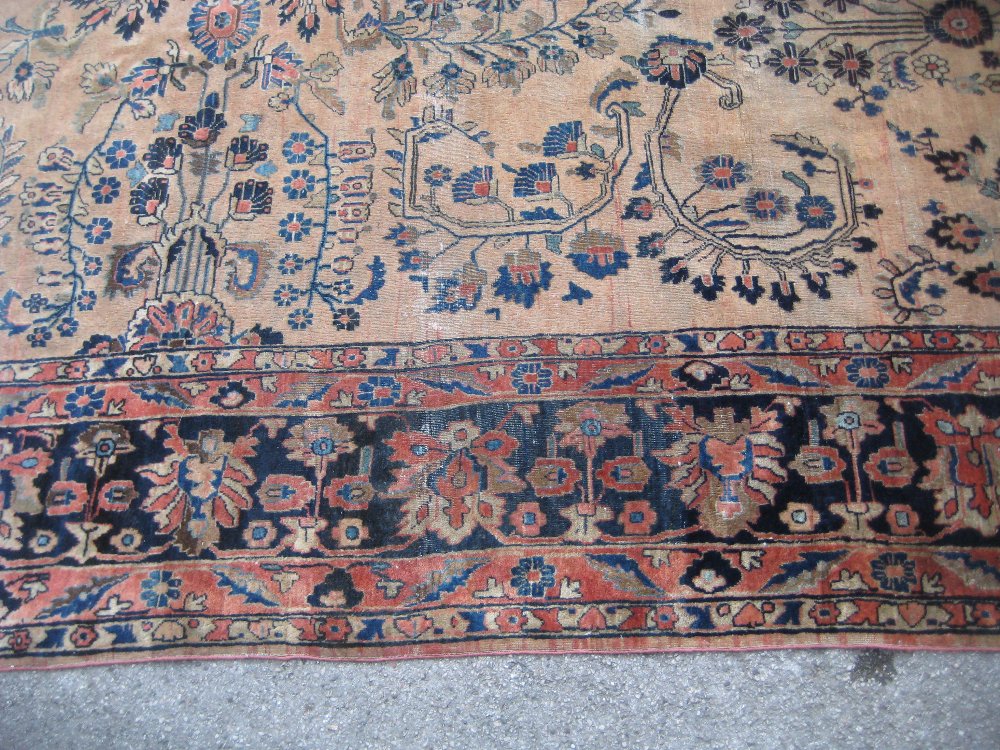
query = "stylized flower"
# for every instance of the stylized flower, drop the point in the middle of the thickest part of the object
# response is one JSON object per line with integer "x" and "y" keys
{"x": 100, "y": 445}
{"x": 711, "y": 573}
{"x": 286, "y": 295}
{"x": 202, "y": 129}
{"x": 743, "y": 30}
{"x": 867, "y": 372}
{"x": 39, "y": 337}
{"x": 952, "y": 165}
{"x": 815, "y": 211}
{"x": 850, "y": 63}
{"x": 160, "y": 588}
{"x": 120, "y": 154}
{"x": 28, "y": 76}
{"x": 894, "y": 571}
{"x": 792, "y": 62}
{"x": 531, "y": 378}
{"x": 508, "y": 74}
{"x": 596, "y": 42}
{"x": 346, "y": 318}
{"x": 800, "y": 518}
{"x": 929, "y": 66}
{"x": 233, "y": 395}
{"x": 982, "y": 280}
{"x": 765, "y": 205}
{"x": 106, "y": 189}
{"x": 532, "y": 576}
{"x": 722, "y": 172}
{"x": 673, "y": 63}
{"x": 598, "y": 253}
{"x": 98, "y": 230}
{"x": 960, "y": 22}
{"x": 83, "y": 636}
{"x": 437, "y": 175}
{"x": 314, "y": 442}
{"x": 294, "y": 227}
{"x": 379, "y": 390}
{"x": 395, "y": 82}
{"x": 958, "y": 232}
{"x": 85, "y": 401}
{"x": 220, "y": 27}
{"x": 298, "y": 148}
{"x": 554, "y": 59}
{"x": 450, "y": 82}
{"x": 299, "y": 184}
{"x": 300, "y": 319}
{"x": 98, "y": 77}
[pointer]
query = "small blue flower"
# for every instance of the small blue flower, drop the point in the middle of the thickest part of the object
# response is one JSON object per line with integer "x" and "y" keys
{"x": 120, "y": 154}
{"x": 39, "y": 337}
{"x": 299, "y": 184}
{"x": 532, "y": 576}
{"x": 67, "y": 326}
{"x": 291, "y": 263}
{"x": 286, "y": 295}
{"x": 85, "y": 401}
{"x": 894, "y": 571}
{"x": 34, "y": 303}
{"x": 871, "y": 109}
{"x": 98, "y": 230}
{"x": 300, "y": 319}
{"x": 437, "y": 175}
{"x": 531, "y": 378}
{"x": 379, "y": 390}
{"x": 160, "y": 588}
{"x": 294, "y": 227}
{"x": 106, "y": 190}
{"x": 298, "y": 148}
{"x": 92, "y": 265}
{"x": 878, "y": 93}
{"x": 867, "y": 372}
{"x": 815, "y": 211}
{"x": 722, "y": 172}
{"x": 87, "y": 300}
{"x": 844, "y": 105}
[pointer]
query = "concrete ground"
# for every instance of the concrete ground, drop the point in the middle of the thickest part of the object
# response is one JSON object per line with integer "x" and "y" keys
{"x": 777, "y": 699}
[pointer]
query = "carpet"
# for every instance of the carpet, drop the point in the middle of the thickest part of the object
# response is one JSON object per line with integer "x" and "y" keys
{"x": 370, "y": 329}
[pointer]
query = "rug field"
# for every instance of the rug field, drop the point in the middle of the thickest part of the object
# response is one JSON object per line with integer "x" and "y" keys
{"x": 379, "y": 329}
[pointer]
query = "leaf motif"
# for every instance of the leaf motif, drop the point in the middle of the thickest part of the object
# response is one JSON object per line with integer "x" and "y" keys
{"x": 624, "y": 574}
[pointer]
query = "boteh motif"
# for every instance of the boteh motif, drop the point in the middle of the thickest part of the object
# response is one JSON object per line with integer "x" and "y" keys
{"x": 425, "y": 327}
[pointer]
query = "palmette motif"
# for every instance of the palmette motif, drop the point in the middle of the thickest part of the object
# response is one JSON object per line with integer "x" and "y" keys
{"x": 388, "y": 329}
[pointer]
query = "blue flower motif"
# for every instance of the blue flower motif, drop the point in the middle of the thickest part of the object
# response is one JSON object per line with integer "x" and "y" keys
{"x": 67, "y": 327}
{"x": 532, "y": 576}
{"x": 379, "y": 390}
{"x": 867, "y": 372}
{"x": 300, "y": 319}
{"x": 871, "y": 109}
{"x": 894, "y": 571}
{"x": 98, "y": 230}
{"x": 531, "y": 378}
{"x": 298, "y": 148}
{"x": 291, "y": 263}
{"x": 815, "y": 211}
{"x": 120, "y": 154}
{"x": 85, "y": 401}
{"x": 87, "y": 300}
{"x": 286, "y": 295}
{"x": 437, "y": 175}
{"x": 106, "y": 190}
{"x": 39, "y": 337}
{"x": 92, "y": 265}
{"x": 159, "y": 588}
{"x": 294, "y": 227}
{"x": 34, "y": 303}
{"x": 723, "y": 172}
{"x": 218, "y": 33}
{"x": 766, "y": 205}
{"x": 299, "y": 184}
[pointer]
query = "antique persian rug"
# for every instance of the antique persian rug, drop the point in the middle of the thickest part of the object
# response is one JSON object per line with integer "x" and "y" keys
{"x": 390, "y": 328}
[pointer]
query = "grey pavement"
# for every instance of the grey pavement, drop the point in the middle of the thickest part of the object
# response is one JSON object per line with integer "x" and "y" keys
{"x": 775, "y": 699}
